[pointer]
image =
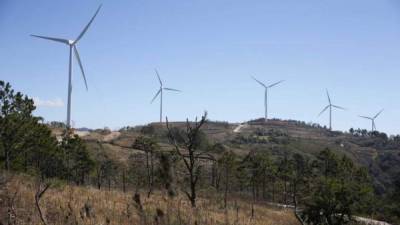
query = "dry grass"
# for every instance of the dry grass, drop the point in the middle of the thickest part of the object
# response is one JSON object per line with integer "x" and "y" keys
{"x": 68, "y": 204}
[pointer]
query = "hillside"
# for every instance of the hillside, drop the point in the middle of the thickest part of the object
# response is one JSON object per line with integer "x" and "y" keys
{"x": 70, "y": 204}
{"x": 205, "y": 172}
{"x": 378, "y": 153}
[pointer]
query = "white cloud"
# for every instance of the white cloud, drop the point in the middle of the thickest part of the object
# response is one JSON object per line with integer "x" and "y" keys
{"x": 53, "y": 103}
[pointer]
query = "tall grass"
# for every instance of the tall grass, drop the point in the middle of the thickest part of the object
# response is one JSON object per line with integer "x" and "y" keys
{"x": 68, "y": 204}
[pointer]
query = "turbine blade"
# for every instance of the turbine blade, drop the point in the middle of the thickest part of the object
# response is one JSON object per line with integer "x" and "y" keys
{"x": 80, "y": 65}
{"x": 274, "y": 84}
{"x": 158, "y": 76}
{"x": 154, "y": 98}
{"x": 65, "y": 41}
{"x": 171, "y": 89}
{"x": 338, "y": 107}
{"x": 329, "y": 98}
{"x": 366, "y": 117}
{"x": 378, "y": 114}
{"x": 261, "y": 83}
{"x": 323, "y": 110}
{"x": 87, "y": 26}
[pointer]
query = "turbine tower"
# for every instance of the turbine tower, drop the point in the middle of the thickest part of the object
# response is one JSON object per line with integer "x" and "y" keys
{"x": 160, "y": 92}
{"x": 372, "y": 119}
{"x": 330, "y": 106}
{"x": 72, "y": 50}
{"x": 266, "y": 95}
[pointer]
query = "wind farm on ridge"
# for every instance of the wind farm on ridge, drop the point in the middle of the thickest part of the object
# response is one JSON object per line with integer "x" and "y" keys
{"x": 74, "y": 51}
{"x": 194, "y": 170}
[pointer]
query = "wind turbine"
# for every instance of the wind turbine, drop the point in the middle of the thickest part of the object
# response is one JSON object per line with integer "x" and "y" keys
{"x": 266, "y": 94}
{"x": 373, "y": 119}
{"x": 160, "y": 92}
{"x": 330, "y": 106}
{"x": 72, "y": 47}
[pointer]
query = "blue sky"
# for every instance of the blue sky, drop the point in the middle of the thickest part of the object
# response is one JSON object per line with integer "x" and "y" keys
{"x": 208, "y": 49}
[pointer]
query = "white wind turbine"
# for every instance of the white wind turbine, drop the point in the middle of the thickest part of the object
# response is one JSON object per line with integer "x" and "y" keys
{"x": 266, "y": 95}
{"x": 72, "y": 47}
{"x": 160, "y": 92}
{"x": 373, "y": 119}
{"x": 330, "y": 106}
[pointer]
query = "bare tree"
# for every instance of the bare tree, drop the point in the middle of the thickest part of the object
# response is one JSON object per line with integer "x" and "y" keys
{"x": 189, "y": 152}
{"x": 41, "y": 189}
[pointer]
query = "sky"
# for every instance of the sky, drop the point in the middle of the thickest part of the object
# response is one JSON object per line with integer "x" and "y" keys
{"x": 208, "y": 49}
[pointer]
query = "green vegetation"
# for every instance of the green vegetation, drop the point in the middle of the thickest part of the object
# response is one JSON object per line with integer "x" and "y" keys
{"x": 328, "y": 177}
{"x": 339, "y": 190}
{"x": 27, "y": 145}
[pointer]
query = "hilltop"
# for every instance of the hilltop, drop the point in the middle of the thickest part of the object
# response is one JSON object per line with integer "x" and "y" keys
{"x": 375, "y": 151}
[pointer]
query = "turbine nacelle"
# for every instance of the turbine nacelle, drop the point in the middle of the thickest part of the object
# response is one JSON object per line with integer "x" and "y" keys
{"x": 269, "y": 86}
{"x": 60, "y": 40}
{"x": 330, "y": 105}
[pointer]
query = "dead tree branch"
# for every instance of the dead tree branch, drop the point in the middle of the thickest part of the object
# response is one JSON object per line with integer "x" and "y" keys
{"x": 192, "y": 156}
{"x": 41, "y": 190}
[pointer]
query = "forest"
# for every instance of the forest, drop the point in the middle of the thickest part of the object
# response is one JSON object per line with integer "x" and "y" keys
{"x": 171, "y": 176}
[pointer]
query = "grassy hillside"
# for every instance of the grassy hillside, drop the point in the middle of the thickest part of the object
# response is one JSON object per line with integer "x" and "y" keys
{"x": 277, "y": 137}
{"x": 118, "y": 154}
{"x": 69, "y": 204}
{"x": 195, "y": 173}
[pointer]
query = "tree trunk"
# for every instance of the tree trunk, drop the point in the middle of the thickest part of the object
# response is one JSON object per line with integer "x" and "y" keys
{"x": 294, "y": 195}
{"x": 273, "y": 191}
{"x": 192, "y": 192}
{"x": 214, "y": 175}
{"x": 226, "y": 186}
{"x": 99, "y": 180}
{"x": 123, "y": 181}
{"x": 217, "y": 182}
{"x": 285, "y": 191}
{"x": 148, "y": 175}
{"x": 7, "y": 156}
{"x": 254, "y": 198}
{"x": 82, "y": 179}
{"x": 263, "y": 188}
{"x": 26, "y": 161}
{"x": 151, "y": 173}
